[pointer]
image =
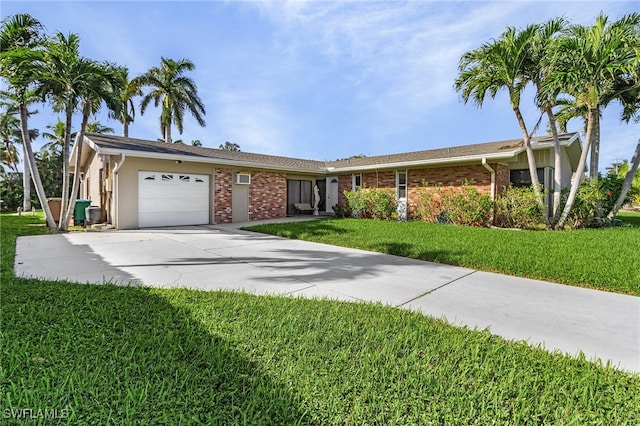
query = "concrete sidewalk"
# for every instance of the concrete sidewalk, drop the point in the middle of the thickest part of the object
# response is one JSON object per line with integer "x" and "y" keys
{"x": 569, "y": 319}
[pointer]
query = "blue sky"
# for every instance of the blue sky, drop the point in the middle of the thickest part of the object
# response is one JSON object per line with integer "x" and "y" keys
{"x": 321, "y": 80}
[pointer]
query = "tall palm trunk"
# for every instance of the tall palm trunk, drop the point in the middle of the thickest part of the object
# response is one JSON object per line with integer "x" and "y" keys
{"x": 26, "y": 182}
{"x": 167, "y": 133}
{"x": 557, "y": 166}
{"x": 76, "y": 171}
{"x": 35, "y": 174}
{"x": 594, "y": 160}
{"x": 531, "y": 159}
{"x": 65, "y": 168}
{"x": 626, "y": 184}
{"x": 575, "y": 184}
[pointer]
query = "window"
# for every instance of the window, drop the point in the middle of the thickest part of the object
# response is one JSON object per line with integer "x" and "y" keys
{"x": 356, "y": 182}
{"x": 520, "y": 178}
{"x": 401, "y": 185}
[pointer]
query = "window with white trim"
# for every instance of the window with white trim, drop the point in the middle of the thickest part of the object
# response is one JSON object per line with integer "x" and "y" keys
{"x": 356, "y": 182}
{"x": 401, "y": 185}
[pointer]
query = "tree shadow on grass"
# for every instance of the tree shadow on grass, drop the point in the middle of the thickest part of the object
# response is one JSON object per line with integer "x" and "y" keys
{"x": 413, "y": 252}
{"x": 122, "y": 355}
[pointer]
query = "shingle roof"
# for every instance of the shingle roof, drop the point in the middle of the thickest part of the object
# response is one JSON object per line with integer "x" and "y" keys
{"x": 118, "y": 143}
{"x": 508, "y": 148}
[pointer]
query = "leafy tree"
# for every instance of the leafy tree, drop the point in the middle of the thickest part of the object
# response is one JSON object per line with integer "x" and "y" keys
{"x": 174, "y": 91}
{"x": 229, "y": 146}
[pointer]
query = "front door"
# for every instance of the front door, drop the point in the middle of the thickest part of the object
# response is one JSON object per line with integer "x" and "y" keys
{"x": 332, "y": 193}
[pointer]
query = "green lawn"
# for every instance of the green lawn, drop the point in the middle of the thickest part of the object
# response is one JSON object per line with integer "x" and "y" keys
{"x": 607, "y": 259}
{"x": 105, "y": 354}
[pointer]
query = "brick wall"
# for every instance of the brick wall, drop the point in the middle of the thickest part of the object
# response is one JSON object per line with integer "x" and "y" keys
{"x": 267, "y": 195}
{"x": 223, "y": 182}
{"x": 344, "y": 184}
{"x": 502, "y": 177}
{"x": 448, "y": 176}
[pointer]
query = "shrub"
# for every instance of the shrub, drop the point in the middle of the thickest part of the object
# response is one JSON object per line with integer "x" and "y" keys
{"x": 517, "y": 207}
{"x": 429, "y": 202}
{"x": 356, "y": 202}
{"x": 468, "y": 207}
{"x": 447, "y": 205}
{"x": 342, "y": 210}
{"x": 594, "y": 200}
{"x": 10, "y": 190}
{"x": 374, "y": 203}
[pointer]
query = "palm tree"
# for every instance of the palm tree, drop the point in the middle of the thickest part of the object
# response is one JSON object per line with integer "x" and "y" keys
{"x": 20, "y": 58}
{"x": 61, "y": 80}
{"x": 587, "y": 65}
{"x": 10, "y": 135}
{"x": 127, "y": 111}
{"x": 542, "y": 49}
{"x": 502, "y": 64}
{"x": 174, "y": 91}
{"x": 101, "y": 84}
{"x": 630, "y": 99}
{"x": 229, "y": 146}
{"x": 55, "y": 137}
{"x": 98, "y": 127}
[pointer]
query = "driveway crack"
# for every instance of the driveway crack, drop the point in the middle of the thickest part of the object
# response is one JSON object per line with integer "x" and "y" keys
{"x": 436, "y": 289}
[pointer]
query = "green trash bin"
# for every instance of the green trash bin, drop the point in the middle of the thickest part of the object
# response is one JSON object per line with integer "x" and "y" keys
{"x": 79, "y": 215}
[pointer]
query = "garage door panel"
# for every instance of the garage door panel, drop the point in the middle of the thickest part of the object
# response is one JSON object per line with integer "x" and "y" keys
{"x": 169, "y": 199}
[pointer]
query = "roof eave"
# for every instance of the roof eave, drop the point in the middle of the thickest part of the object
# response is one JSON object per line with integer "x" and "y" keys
{"x": 206, "y": 160}
{"x": 438, "y": 161}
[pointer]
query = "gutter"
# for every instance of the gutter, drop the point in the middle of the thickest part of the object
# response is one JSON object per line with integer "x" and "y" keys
{"x": 210, "y": 160}
{"x": 440, "y": 161}
{"x": 493, "y": 178}
{"x": 123, "y": 157}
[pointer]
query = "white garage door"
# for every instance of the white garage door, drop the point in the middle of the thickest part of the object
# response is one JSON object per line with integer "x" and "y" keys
{"x": 168, "y": 199}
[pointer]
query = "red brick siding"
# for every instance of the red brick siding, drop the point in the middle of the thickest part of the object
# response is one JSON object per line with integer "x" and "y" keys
{"x": 344, "y": 184}
{"x": 223, "y": 183}
{"x": 447, "y": 176}
{"x": 267, "y": 195}
{"x": 386, "y": 179}
{"x": 502, "y": 177}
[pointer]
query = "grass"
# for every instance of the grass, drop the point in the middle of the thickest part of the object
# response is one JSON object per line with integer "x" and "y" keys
{"x": 605, "y": 259}
{"x": 104, "y": 354}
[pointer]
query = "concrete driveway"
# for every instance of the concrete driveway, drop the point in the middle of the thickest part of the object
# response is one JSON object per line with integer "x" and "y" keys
{"x": 569, "y": 319}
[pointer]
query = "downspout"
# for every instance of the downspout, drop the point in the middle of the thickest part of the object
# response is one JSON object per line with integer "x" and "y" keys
{"x": 115, "y": 193}
{"x": 493, "y": 178}
{"x": 493, "y": 187}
